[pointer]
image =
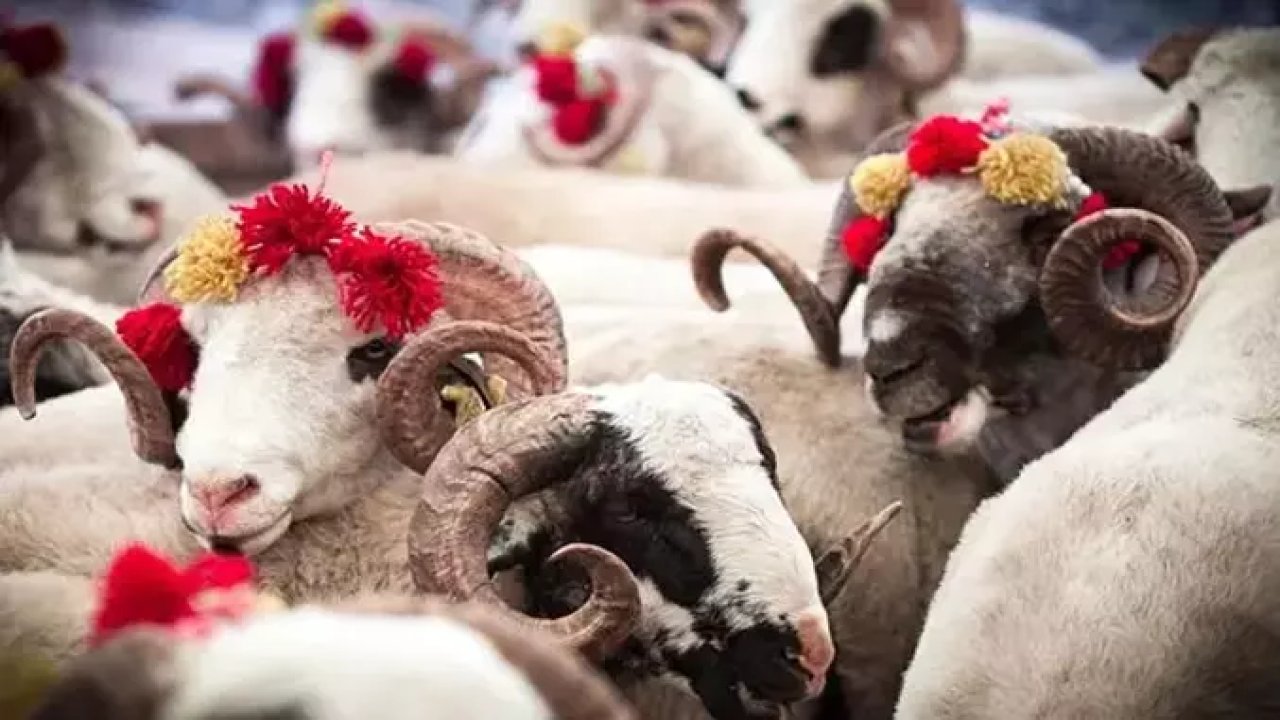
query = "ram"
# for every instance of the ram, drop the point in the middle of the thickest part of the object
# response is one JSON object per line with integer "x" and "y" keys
{"x": 344, "y": 84}
{"x": 623, "y": 105}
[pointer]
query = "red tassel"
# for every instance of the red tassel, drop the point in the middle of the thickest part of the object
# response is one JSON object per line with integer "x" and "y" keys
{"x": 271, "y": 74}
{"x": 37, "y": 50}
{"x": 140, "y": 588}
{"x": 1095, "y": 203}
{"x": 944, "y": 144}
{"x": 287, "y": 220}
{"x": 414, "y": 60}
{"x": 1120, "y": 253}
{"x": 387, "y": 280}
{"x": 351, "y": 30}
{"x": 577, "y": 122}
{"x": 557, "y": 79}
{"x": 218, "y": 571}
{"x": 155, "y": 334}
{"x": 862, "y": 238}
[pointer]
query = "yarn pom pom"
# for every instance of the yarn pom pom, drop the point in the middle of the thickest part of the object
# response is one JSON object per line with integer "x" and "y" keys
{"x": 155, "y": 334}
{"x": 212, "y": 570}
{"x": 561, "y": 38}
{"x": 140, "y": 588}
{"x": 349, "y": 29}
{"x": 287, "y": 220}
{"x": 577, "y": 122}
{"x": 413, "y": 60}
{"x": 862, "y": 239}
{"x": 387, "y": 280}
{"x": 37, "y": 50}
{"x": 271, "y": 73}
{"x": 211, "y": 264}
{"x": 879, "y": 182}
{"x": 556, "y": 78}
{"x": 944, "y": 144}
{"x": 1120, "y": 253}
{"x": 1024, "y": 169}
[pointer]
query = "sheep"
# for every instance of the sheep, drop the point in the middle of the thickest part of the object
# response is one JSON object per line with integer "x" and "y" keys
{"x": 1132, "y": 573}
{"x": 1223, "y": 86}
{"x": 417, "y": 655}
{"x": 670, "y": 117}
{"x": 351, "y": 87}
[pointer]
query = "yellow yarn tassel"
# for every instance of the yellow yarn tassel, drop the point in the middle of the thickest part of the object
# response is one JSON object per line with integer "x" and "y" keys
{"x": 560, "y": 38}
{"x": 324, "y": 14}
{"x": 1025, "y": 169}
{"x": 211, "y": 264}
{"x": 880, "y": 182}
{"x": 467, "y": 403}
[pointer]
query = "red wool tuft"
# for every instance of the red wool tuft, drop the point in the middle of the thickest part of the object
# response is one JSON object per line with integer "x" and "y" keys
{"x": 218, "y": 571}
{"x": 862, "y": 238}
{"x": 351, "y": 30}
{"x": 577, "y": 122}
{"x": 37, "y": 50}
{"x": 1120, "y": 253}
{"x": 271, "y": 75}
{"x": 140, "y": 588}
{"x": 944, "y": 144}
{"x": 414, "y": 60}
{"x": 287, "y": 220}
{"x": 557, "y": 79}
{"x": 155, "y": 334}
{"x": 1095, "y": 203}
{"x": 386, "y": 280}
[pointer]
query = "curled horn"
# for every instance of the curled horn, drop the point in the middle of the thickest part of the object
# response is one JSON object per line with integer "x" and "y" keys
{"x": 820, "y": 319}
{"x": 503, "y": 455}
{"x": 924, "y": 41}
{"x": 411, "y": 418}
{"x": 1163, "y": 197}
{"x": 571, "y": 688}
{"x": 1171, "y": 58}
{"x": 150, "y": 429}
{"x": 483, "y": 281}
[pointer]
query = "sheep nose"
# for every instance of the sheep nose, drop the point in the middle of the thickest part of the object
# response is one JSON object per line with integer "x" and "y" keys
{"x": 748, "y": 100}
{"x": 216, "y": 495}
{"x": 817, "y": 651}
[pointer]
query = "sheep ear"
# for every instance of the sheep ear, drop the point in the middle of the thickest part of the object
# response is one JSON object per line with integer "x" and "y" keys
{"x": 836, "y": 565}
{"x": 1171, "y": 58}
{"x": 1247, "y": 207}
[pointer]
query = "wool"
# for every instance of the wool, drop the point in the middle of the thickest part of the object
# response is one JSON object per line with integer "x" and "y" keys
{"x": 211, "y": 264}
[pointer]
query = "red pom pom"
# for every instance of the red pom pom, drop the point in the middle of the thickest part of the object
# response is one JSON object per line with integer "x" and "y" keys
{"x": 287, "y": 220}
{"x": 944, "y": 144}
{"x": 414, "y": 60}
{"x": 155, "y": 334}
{"x": 387, "y": 280}
{"x": 1095, "y": 203}
{"x": 577, "y": 122}
{"x": 862, "y": 238}
{"x": 140, "y": 588}
{"x": 271, "y": 75}
{"x": 351, "y": 30}
{"x": 218, "y": 571}
{"x": 37, "y": 50}
{"x": 1120, "y": 253}
{"x": 557, "y": 79}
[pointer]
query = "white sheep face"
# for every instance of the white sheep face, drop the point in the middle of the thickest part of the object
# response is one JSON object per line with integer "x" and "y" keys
{"x": 89, "y": 182}
{"x": 280, "y": 426}
{"x": 320, "y": 665}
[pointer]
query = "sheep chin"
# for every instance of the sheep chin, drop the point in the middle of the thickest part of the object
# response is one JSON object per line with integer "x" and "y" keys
{"x": 959, "y": 432}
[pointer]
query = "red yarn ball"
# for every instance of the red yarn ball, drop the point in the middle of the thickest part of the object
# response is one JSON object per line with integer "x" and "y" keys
{"x": 287, "y": 220}
{"x": 557, "y": 79}
{"x": 1095, "y": 203}
{"x": 414, "y": 60}
{"x": 140, "y": 588}
{"x": 390, "y": 281}
{"x": 37, "y": 50}
{"x": 351, "y": 30}
{"x": 577, "y": 122}
{"x": 944, "y": 144}
{"x": 271, "y": 75}
{"x": 155, "y": 334}
{"x": 862, "y": 238}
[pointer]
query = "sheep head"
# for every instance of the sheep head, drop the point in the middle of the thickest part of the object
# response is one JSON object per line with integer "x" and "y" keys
{"x": 73, "y": 173}
{"x": 839, "y": 69}
{"x": 1224, "y": 101}
{"x": 286, "y": 389}
{"x": 675, "y": 479}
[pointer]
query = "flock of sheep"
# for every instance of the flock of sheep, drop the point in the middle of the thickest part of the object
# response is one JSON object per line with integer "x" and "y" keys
{"x": 991, "y": 472}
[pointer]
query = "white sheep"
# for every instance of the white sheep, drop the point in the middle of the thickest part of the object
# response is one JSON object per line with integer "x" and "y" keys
{"x": 670, "y": 117}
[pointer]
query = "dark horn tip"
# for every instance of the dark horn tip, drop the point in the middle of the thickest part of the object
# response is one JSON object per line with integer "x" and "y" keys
{"x": 27, "y": 411}
{"x": 709, "y": 253}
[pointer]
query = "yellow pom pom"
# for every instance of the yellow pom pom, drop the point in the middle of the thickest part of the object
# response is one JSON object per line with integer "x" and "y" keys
{"x": 1024, "y": 169}
{"x": 879, "y": 182}
{"x": 211, "y": 264}
{"x": 561, "y": 38}
{"x": 324, "y": 14}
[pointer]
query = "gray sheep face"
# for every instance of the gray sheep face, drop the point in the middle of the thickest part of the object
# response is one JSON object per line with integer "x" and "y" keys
{"x": 680, "y": 483}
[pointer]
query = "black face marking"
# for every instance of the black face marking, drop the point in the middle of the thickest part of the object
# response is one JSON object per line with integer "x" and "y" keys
{"x": 397, "y": 100}
{"x": 847, "y": 44}
{"x": 770, "y": 459}
{"x": 370, "y": 360}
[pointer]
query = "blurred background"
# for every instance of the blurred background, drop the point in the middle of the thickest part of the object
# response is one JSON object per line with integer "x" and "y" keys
{"x": 143, "y": 45}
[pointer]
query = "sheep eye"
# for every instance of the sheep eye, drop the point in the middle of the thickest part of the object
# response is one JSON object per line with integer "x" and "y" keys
{"x": 370, "y": 359}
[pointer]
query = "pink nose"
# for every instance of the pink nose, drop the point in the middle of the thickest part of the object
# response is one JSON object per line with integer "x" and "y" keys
{"x": 218, "y": 495}
{"x": 817, "y": 652}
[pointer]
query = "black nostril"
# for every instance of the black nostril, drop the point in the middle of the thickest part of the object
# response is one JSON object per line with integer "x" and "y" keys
{"x": 791, "y": 122}
{"x": 748, "y": 100}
